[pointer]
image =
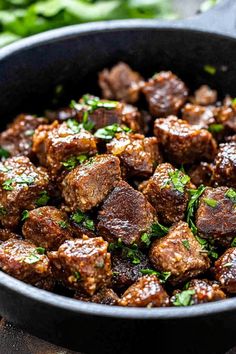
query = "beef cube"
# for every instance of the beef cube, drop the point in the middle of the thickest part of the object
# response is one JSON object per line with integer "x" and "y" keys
{"x": 205, "y": 96}
{"x": 224, "y": 172}
{"x": 216, "y": 217}
{"x": 167, "y": 194}
{"x": 179, "y": 253}
{"x": 201, "y": 174}
{"x": 146, "y": 292}
{"x": 184, "y": 143}
{"x": 125, "y": 214}
{"x": 225, "y": 270}
{"x": 105, "y": 296}
{"x": 82, "y": 264}
{"x": 6, "y": 234}
{"x": 138, "y": 155}
{"x": 87, "y": 185}
{"x": 205, "y": 291}
{"x": 21, "y": 184}
{"x": 56, "y": 143}
{"x": 200, "y": 116}
{"x": 132, "y": 118}
{"x": 165, "y": 94}
{"x": 47, "y": 227}
{"x": 22, "y": 260}
{"x": 226, "y": 115}
{"x": 61, "y": 114}
{"x": 120, "y": 83}
{"x": 17, "y": 138}
{"x": 125, "y": 272}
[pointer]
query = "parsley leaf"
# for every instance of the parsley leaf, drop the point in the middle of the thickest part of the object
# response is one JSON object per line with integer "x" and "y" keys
{"x": 157, "y": 230}
{"x": 43, "y": 199}
{"x": 162, "y": 276}
{"x": 233, "y": 243}
{"x": 4, "y": 153}
{"x": 7, "y": 185}
{"x": 184, "y": 298}
{"x": 81, "y": 218}
{"x": 40, "y": 250}
{"x": 25, "y": 215}
{"x": 77, "y": 275}
{"x": 216, "y": 128}
{"x": 207, "y": 247}
{"x": 73, "y": 161}
{"x": 231, "y": 194}
{"x": 178, "y": 180}
{"x": 186, "y": 244}
{"x": 210, "y": 69}
{"x": 110, "y": 131}
{"x": 210, "y": 202}
{"x": 131, "y": 252}
{"x": 192, "y": 206}
{"x": 34, "y": 256}
{"x": 63, "y": 224}
{"x": 73, "y": 125}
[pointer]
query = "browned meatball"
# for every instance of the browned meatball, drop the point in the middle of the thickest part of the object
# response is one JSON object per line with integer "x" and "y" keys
{"x": 216, "y": 216}
{"x": 56, "y": 143}
{"x": 198, "y": 115}
{"x": 17, "y": 138}
{"x": 125, "y": 214}
{"x": 168, "y": 198}
{"x": 47, "y": 227}
{"x": 125, "y": 271}
{"x": 224, "y": 172}
{"x": 82, "y": 264}
{"x": 120, "y": 83}
{"x": 138, "y": 155}
{"x": 205, "y": 96}
{"x": 201, "y": 174}
{"x": 24, "y": 261}
{"x": 184, "y": 143}
{"x": 87, "y": 185}
{"x": 6, "y": 234}
{"x": 165, "y": 94}
{"x": 179, "y": 253}
{"x": 225, "y": 270}
{"x": 146, "y": 292}
{"x": 21, "y": 184}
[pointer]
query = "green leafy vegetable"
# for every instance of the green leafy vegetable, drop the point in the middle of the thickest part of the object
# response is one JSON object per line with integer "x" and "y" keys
{"x": 3, "y": 211}
{"x": 210, "y": 69}
{"x": 40, "y": 250}
{"x": 109, "y": 131}
{"x": 207, "y": 247}
{"x": 157, "y": 230}
{"x": 43, "y": 199}
{"x": 210, "y": 202}
{"x": 162, "y": 276}
{"x": 73, "y": 125}
{"x": 34, "y": 257}
{"x": 81, "y": 218}
{"x": 7, "y": 185}
{"x": 184, "y": 298}
{"x": 77, "y": 275}
{"x": 73, "y": 161}
{"x": 192, "y": 206}
{"x": 131, "y": 252}
{"x": 63, "y": 224}
{"x": 4, "y": 153}
{"x": 216, "y": 128}
{"x": 25, "y": 215}
{"x": 178, "y": 180}
{"x": 186, "y": 244}
{"x": 233, "y": 243}
{"x": 231, "y": 194}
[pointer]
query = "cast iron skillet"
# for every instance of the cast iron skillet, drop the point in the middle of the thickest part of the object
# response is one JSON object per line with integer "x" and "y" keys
{"x": 29, "y": 71}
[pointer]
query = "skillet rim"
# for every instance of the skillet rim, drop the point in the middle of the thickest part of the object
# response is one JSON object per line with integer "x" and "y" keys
{"x": 76, "y": 306}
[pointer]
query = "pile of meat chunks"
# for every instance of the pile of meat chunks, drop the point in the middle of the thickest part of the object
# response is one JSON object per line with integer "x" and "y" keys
{"x": 83, "y": 189}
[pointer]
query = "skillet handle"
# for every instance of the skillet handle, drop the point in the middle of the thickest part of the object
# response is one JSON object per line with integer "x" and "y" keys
{"x": 220, "y": 19}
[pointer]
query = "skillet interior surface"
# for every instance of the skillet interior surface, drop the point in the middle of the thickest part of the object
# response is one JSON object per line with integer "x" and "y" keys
{"x": 29, "y": 72}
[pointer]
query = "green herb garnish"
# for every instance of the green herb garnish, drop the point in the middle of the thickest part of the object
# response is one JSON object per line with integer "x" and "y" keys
{"x": 73, "y": 125}
{"x": 233, "y": 243}
{"x": 207, "y": 247}
{"x": 209, "y": 69}
{"x": 192, "y": 206}
{"x": 40, "y": 250}
{"x": 63, "y": 224}
{"x": 73, "y": 161}
{"x": 157, "y": 230}
{"x": 216, "y": 128}
{"x": 131, "y": 252}
{"x": 43, "y": 199}
{"x": 3, "y": 211}
{"x": 25, "y": 215}
{"x": 77, "y": 275}
{"x": 184, "y": 298}
{"x": 231, "y": 194}
{"x": 7, "y": 185}
{"x": 186, "y": 244}
{"x": 109, "y": 131}
{"x": 81, "y": 218}
{"x": 178, "y": 180}
{"x": 162, "y": 276}
{"x": 210, "y": 202}
{"x": 4, "y": 153}
{"x": 34, "y": 256}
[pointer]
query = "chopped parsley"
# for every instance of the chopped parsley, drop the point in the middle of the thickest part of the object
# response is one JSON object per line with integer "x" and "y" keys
{"x": 157, "y": 230}
{"x": 63, "y": 224}
{"x": 186, "y": 244}
{"x": 86, "y": 123}
{"x": 4, "y": 153}
{"x": 207, "y": 247}
{"x": 7, "y": 185}
{"x": 233, "y": 101}
{"x": 94, "y": 103}
{"x": 34, "y": 256}
{"x": 210, "y": 202}
{"x": 184, "y": 298}
{"x": 73, "y": 161}
{"x": 84, "y": 220}
{"x": 216, "y": 128}
{"x": 131, "y": 252}
{"x": 109, "y": 131}
{"x": 24, "y": 215}
{"x": 162, "y": 276}
{"x": 233, "y": 243}
{"x": 77, "y": 275}
{"x": 73, "y": 125}
{"x": 210, "y": 69}
{"x": 43, "y": 199}
{"x": 231, "y": 194}
{"x": 178, "y": 180}
{"x": 23, "y": 179}
{"x": 40, "y": 250}
{"x": 3, "y": 211}
{"x": 192, "y": 206}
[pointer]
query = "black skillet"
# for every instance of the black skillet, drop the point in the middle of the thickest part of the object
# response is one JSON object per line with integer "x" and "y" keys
{"x": 29, "y": 72}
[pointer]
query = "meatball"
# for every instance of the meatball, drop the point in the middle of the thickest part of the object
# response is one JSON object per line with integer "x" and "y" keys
{"x": 168, "y": 198}
{"x": 216, "y": 216}
{"x": 205, "y": 96}
{"x": 82, "y": 264}
{"x": 165, "y": 94}
{"x": 184, "y": 143}
{"x": 21, "y": 184}
{"x": 120, "y": 83}
{"x": 87, "y": 185}
{"x": 22, "y": 260}
{"x": 125, "y": 214}
{"x": 224, "y": 172}
{"x": 6, "y": 234}
{"x": 146, "y": 292}
{"x": 179, "y": 253}
{"x": 225, "y": 270}
{"x": 138, "y": 155}
{"x": 198, "y": 115}
{"x": 17, "y": 138}
{"x": 47, "y": 227}
{"x": 56, "y": 143}
{"x": 125, "y": 272}
{"x": 201, "y": 174}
